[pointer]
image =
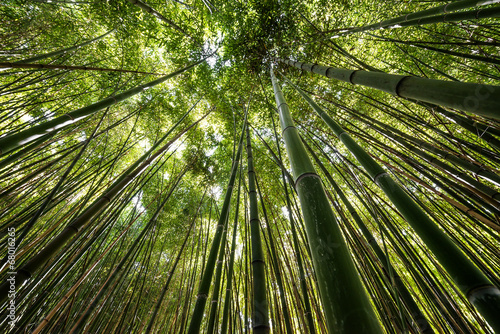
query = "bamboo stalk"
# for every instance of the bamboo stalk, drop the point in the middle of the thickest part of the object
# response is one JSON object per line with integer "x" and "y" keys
{"x": 471, "y": 281}
{"x": 260, "y": 314}
{"x": 230, "y": 270}
{"x": 479, "y": 99}
{"x": 345, "y": 303}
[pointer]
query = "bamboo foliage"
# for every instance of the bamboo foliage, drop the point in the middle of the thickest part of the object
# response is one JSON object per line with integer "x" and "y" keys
{"x": 145, "y": 7}
{"x": 14, "y": 141}
{"x": 121, "y": 217}
{"x": 27, "y": 270}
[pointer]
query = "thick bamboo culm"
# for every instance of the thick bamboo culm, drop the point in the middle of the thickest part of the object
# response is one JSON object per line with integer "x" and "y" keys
{"x": 470, "y": 280}
{"x": 479, "y": 99}
{"x": 346, "y": 306}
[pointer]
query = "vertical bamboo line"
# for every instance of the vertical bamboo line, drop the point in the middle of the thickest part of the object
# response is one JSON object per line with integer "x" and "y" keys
{"x": 201, "y": 298}
{"x": 345, "y": 303}
{"x": 260, "y": 316}
{"x": 470, "y": 280}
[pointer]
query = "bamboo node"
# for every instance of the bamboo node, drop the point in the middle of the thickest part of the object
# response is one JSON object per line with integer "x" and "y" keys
{"x": 73, "y": 227}
{"x": 342, "y": 133}
{"x": 379, "y": 175}
{"x": 481, "y": 292}
{"x": 282, "y": 104}
{"x": 290, "y": 126}
{"x": 25, "y": 272}
{"x": 106, "y": 197}
{"x": 70, "y": 117}
{"x": 398, "y": 85}
{"x": 477, "y": 13}
{"x": 351, "y": 75}
{"x": 305, "y": 175}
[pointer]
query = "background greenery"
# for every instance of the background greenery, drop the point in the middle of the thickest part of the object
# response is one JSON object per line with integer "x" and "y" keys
{"x": 242, "y": 40}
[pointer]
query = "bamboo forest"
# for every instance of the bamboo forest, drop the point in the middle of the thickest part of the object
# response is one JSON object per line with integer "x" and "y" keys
{"x": 250, "y": 166}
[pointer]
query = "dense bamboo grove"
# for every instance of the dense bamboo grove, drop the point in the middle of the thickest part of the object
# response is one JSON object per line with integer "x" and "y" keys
{"x": 249, "y": 166}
